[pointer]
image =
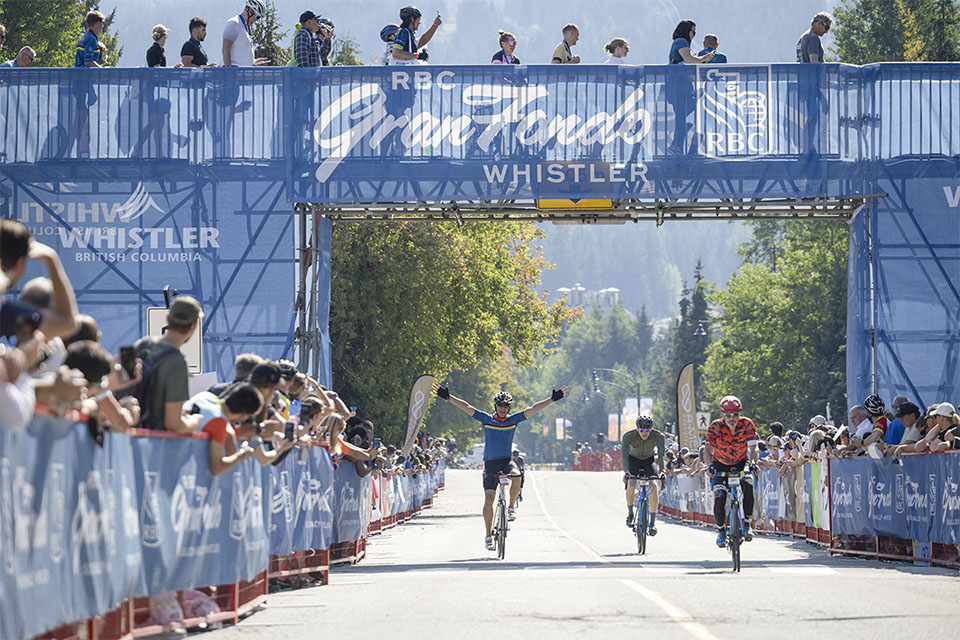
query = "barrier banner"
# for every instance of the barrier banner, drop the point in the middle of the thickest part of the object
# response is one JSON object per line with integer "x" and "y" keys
{"x": 69, "y": 533}
{"x": 313, "y": 500}
{"x": 281, "y": 507}
{"x": 771, "y": 493}
{"x": 915, "y": 498}
{"x": 351, "y": 504}
{"x": 808, "y": 507}
{"x": 190, "y": 520}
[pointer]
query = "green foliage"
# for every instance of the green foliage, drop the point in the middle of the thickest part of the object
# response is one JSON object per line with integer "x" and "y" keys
{"x": 781, "y": 348}
{"x": 345, "y": 51}
{"x": 415, "y": 298}
{"x": 869, "y": 31}
{"x": 267, "y": 36}
{"x": 50, "y": 27}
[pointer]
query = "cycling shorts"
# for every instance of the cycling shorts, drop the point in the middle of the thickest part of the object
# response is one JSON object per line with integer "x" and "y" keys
{"x": 493, "y": 468}
{"x": 643, "y": 467}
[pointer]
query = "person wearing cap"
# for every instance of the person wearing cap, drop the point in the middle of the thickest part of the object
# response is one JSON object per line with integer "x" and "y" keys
{"x": 773, "y": 458}
{"x": 165, "y": 378}
{"x": 265, "y": 377}
{"x": 906, "y": 418}
{"x": 944, "y": 430}
{"x": 816, "y": 422}
{"x": 306, "y": 47}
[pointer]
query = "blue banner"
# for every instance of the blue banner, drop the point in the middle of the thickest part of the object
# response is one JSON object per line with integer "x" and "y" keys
{"x": 351, "y": 504}
{"x": 69, "y": 530}
{"x": 282, "y": 514}
{"x": 190, "y": 520}
{"x": 314, "y": 499}
{"x": 915, "y": 498}
{"x": 771, "y": 493}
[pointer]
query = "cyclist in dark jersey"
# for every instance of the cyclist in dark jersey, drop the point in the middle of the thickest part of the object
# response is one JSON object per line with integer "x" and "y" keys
{"x": 498, "y": 431}
{"x": 637, "y": 449}
{"x": 405, "y": 44}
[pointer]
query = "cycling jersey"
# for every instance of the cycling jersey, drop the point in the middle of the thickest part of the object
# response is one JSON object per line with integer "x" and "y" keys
{"x": 633, "y": 446}
{"x": 405, "y": 40}
{"x": 501, "y": 57}
{"x": 498, "y": 434}
{"x": 563, "y": 53}
{"x": 731, "y": 447}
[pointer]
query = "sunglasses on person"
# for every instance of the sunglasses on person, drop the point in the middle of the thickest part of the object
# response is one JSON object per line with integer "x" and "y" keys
{"x": 512, "y": 43}
{"x": 645, "y": 430}
{"x": 730, "y": 415}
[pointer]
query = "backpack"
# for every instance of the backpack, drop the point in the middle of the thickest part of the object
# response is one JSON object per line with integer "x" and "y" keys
{"x": 141, "y": 390}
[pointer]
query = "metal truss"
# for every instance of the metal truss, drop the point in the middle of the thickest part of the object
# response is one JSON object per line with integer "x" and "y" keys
{"x": 657, "y": 210}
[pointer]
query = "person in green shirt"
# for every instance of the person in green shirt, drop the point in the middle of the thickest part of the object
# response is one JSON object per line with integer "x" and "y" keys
{"x": 637, "y": 450}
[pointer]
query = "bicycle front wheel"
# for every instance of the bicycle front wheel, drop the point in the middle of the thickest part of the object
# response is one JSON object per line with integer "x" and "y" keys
{"x": 643, "y": 520}
{"x": 736, "y": 536}
{"x": 502, "y": 530}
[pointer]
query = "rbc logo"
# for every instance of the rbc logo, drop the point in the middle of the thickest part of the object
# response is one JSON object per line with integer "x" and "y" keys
{"x": 733, "y": 115}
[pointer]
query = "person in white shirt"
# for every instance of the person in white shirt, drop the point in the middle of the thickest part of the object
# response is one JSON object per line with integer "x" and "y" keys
{"x": 237, "y": 42}
{"x": 618, "y": 48}
{"x": 388, "y": 34}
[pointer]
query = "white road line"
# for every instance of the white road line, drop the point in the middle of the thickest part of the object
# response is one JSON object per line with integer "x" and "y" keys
{"x": 558, "y": 567}
{"x": 674, "y": 568}
{"x": 805, "y": 570}
{"x": 680, "y": 616}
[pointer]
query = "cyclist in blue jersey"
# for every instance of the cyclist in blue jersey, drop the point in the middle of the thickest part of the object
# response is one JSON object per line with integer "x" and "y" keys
{"x": 405, "y": 44}
{"x": 498, "y": 431}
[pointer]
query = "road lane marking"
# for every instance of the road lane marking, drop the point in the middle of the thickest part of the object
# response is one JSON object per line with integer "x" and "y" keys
{"x": 677, "y": 614}
{"x": 806, "y": 570}
{"x": 557, "y": 567}
{"x": 674, "y": 568}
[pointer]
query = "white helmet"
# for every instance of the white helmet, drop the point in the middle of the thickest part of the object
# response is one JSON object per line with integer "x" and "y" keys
{"x": 256, "y": 6}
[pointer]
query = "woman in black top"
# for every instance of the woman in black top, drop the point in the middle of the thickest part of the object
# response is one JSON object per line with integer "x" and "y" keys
{"x": 155, "y": 56}
{"x": 508, "y": 43}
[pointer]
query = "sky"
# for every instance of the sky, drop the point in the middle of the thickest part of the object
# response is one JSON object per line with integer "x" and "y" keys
{"x": 749, "y": 30}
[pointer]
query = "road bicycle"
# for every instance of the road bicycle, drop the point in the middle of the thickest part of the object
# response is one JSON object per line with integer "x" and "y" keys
{"x": 641, "y": 509}
{"x": 500, "y": 525}
{"x": 734, "y": 515}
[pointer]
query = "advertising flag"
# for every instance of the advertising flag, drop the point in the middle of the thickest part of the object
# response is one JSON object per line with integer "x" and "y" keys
{"x": 686, "y": 409}
{"x": 416, "y": 408}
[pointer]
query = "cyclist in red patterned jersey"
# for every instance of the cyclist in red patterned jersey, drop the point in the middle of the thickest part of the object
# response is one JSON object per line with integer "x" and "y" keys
{"x": 731, "y": 442}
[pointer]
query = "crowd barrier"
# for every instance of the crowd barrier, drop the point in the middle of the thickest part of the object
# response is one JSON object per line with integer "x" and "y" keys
{"x": 88, "y": 533}
{"x": 906, "y": 509}
{"x": 606, "y": 460}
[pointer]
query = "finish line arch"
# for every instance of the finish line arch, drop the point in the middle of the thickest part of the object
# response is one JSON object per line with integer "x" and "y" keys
{"x": 142, "y": 178}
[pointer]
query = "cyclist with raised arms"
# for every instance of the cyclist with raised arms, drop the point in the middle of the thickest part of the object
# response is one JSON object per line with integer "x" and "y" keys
{"x": 731, "y": 442}
{"x": 498, "y": 431}
{"x": 637, "y": 448}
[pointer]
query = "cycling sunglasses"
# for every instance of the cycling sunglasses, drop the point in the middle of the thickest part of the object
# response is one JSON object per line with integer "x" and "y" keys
{"x": 645, "y": 430}
{"x": 730, "y": 415}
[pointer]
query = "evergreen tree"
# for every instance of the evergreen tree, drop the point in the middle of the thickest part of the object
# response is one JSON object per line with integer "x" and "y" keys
{"x": 867, "y": 31}
{"x": 938, "y": 31}
{"x": 345, "y": 51}
{"x": 51, "y": 27}
{"x": 267, "y": 37}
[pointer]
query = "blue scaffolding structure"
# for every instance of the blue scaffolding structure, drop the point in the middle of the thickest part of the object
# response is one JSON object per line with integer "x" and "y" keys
{"x": 176, "y": 153}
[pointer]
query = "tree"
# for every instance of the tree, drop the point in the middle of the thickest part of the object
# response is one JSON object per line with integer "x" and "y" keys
{"x": 109, "y": 38}
{"x": 345, "y": 51}
{"x": 412, "y": 298}
{"x": 51, "y": 27}
{"x": 781, "y": 348}
{"x": 869, "y": 31}
{"x": 267, "y": 36}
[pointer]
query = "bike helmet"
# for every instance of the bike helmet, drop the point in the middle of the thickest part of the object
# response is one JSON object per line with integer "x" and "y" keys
{"x": 388, "y": 31}
{"x": 288, "y": 370}
{"x": 874, "y": 405}
{"x": 257, "y": 7}
{"x": 409, "y": 13}
{"x": 325, "y": 23}
{"x": 731, "y": 404}
{"x": 503, "y": 398}
{"x": 645, "y": 422}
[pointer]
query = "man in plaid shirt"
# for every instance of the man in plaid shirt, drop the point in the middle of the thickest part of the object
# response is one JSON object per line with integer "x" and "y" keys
{"x": 306, "y": 47}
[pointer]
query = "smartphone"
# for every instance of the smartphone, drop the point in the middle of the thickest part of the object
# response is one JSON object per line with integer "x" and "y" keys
{"x": 288, "y": 431}
{"x": 128, "y": 361}
{"x": 376, "y": 443}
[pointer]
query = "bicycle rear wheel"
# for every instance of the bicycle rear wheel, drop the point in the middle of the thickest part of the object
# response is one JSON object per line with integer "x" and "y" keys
{"x": 643, "y": 520}
{"x": 501, "y": 529}
{"x": 736, "y": 533}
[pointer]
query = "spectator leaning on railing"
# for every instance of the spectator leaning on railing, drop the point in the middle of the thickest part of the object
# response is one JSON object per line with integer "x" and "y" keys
{"x": 306, "y": 47}
{"x": 90, "y": 50}
{"x": 23, "y": 59}
{"x": 165, "y": 384}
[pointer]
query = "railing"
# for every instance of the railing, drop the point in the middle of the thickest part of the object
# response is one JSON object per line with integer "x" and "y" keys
{"x": 611, "y": 114}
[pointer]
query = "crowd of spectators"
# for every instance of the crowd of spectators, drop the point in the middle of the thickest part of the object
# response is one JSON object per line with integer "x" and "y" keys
{"x": 52, "y": 362}
{"x": 314, "y": 36}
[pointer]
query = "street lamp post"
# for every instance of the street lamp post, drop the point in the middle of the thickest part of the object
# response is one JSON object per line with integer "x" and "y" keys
{"x": 621, "y": 398}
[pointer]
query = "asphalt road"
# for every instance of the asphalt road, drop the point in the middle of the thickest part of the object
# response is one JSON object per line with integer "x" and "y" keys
{"x": 571, "y": 568}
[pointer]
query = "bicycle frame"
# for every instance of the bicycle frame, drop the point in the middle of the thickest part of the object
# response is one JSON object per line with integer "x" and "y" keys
{"x": 500, "y": 516}
{"x": 641, "y": 510}
{"x": 735, "y": 514}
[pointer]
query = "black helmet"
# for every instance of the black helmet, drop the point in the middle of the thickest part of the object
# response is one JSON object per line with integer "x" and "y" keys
{"x": 326, "y": 23}
{"x": 645, "y": 422}
{"x": 503, "y": 398}
{"x": 874, "y": 405}
{"x": 408, "y": 13}
{"x": 388, "y": 31}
